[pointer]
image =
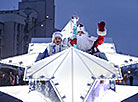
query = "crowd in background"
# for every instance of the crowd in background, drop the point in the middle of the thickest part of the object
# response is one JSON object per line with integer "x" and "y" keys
{"x": 11, "y": 78}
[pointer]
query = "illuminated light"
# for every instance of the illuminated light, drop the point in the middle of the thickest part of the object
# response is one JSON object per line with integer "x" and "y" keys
{"x": 129, "y": 72}
{"x": 120, "y": 70}
{"x": 120, "y": 81}
{"x": 117, "y": 81}
{"x": 47, "y": 16}
{"x": 41, "y": 25}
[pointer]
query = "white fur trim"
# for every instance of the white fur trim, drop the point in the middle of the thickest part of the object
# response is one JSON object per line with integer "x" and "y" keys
{"x": 80, "y": 29}
{"x": 83, "y": 42}
{"x": 57, "y": 34}
{"x": 92, "y": 38}
{"x": 101, "y": 33}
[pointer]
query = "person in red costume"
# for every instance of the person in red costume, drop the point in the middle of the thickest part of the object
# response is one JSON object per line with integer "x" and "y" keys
{"x": 86, "y": 43}
{"x": 101, "y": 31}
{"x": 83, "y": 41}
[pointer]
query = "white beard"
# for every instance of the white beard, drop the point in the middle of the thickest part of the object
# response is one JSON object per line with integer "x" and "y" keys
{"x": 84, "y": 43}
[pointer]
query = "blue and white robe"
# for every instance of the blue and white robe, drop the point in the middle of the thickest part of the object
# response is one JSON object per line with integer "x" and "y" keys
{"x": 53, "y": 49}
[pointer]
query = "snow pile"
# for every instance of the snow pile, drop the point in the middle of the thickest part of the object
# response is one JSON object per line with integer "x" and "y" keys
{"x": 122, "y": 92}
{"x": 36, "y": 96}
{"x": 22, "y": 93}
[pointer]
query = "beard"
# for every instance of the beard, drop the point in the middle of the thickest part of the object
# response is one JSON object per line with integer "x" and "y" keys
{"x": 84, "y": 43}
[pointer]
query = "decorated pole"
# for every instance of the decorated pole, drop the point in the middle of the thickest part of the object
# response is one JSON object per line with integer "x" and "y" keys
{"x": 74, "y": 20}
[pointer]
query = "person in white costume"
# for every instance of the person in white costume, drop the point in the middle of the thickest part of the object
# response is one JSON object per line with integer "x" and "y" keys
{"x": 54, "y": 47}
{"x": 86, "y": 43}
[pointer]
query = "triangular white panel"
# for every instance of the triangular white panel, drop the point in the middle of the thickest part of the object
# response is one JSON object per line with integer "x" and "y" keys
{"x": 72, "y": 73}
{"x": 72, "y": 79}
{"x": 98, "y": 67}
{"x": 68, "y": 30}
{"x": 45, "y": 68}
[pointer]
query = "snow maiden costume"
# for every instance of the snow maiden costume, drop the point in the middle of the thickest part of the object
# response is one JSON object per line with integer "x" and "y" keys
{"x": 54, "y": 47}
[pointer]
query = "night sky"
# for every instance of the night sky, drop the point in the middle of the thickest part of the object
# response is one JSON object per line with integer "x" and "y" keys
{"x": 121, "y": 17}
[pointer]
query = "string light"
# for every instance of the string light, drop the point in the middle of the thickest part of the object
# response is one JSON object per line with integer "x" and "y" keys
{"x": 47, "y": 17}
{"x": 41, "y": 25}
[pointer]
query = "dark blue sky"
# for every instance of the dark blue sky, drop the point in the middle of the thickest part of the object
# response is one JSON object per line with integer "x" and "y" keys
{"x": 121, "y": 17}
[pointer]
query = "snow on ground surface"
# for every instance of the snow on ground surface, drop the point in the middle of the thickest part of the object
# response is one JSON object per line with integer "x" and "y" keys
{"x": 21, "y": 92}
{"x": 122, "y": 92}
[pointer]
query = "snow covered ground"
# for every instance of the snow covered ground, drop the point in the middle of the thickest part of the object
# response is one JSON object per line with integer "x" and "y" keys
{"x": 122, "y": 92}
{"x": 22, "y": 93}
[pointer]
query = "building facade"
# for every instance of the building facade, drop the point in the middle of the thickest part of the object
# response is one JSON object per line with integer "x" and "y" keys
{"x": 34, "y": 18}
{"x": 1, "y": 36}
{"x": 46, "y": 15}
{"x": 12, "y": 33}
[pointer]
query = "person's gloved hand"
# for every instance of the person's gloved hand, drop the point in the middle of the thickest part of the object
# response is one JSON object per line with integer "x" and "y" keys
{"x": 73, "y": 42}
{"x": 101, "y": 26}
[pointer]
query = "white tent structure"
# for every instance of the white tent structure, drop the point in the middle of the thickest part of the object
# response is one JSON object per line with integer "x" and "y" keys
{"x": 72, "y": 73}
